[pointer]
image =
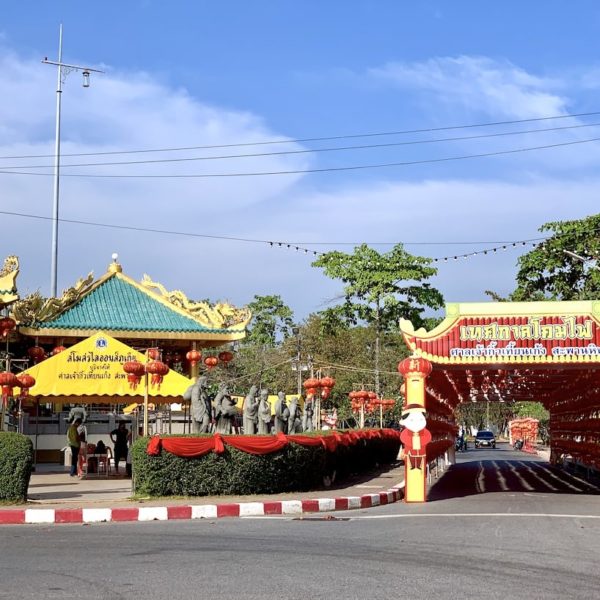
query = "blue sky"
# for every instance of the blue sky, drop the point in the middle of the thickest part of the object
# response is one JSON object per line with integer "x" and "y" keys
{"x": 207, "y": 73}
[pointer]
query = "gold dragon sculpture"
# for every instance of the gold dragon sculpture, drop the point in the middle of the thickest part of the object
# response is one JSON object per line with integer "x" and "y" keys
{"x": 219, "y": 316}
{"x": 8, "y": 276}
{"x": 36, "y": 309}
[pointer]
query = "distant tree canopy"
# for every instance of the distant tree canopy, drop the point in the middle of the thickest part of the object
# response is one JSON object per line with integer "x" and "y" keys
{"x": 271, "y": 320}
{"x": 380, "y": 288}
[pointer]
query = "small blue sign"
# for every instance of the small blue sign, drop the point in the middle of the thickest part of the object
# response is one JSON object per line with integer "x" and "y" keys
{"x": 101, "y": 342}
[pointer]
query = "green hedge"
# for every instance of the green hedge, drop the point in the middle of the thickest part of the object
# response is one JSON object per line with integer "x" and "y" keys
{"x": 235, "y": 472}
{"x": 16, "y": 463}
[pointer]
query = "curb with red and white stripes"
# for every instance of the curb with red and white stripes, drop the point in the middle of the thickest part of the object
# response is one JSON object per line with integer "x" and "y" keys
{"x": 46, "y": 516}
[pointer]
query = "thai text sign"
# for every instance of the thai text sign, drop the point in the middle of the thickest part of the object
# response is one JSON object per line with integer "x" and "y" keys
{"x": 94, "y": 367}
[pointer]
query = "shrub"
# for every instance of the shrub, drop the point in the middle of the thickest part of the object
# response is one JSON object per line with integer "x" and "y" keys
{"x": 16, "y": 463}
{"x": 234, "y": 472}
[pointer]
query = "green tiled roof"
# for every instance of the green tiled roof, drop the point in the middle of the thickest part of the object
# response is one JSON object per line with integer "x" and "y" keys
{"x": 117, "y": 305}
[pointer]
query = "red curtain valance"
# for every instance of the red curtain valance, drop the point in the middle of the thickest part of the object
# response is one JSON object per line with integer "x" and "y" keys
{"x": 191, "y": 447}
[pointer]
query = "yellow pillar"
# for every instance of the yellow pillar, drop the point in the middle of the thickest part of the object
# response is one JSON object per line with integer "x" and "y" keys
{"x": 415, "y": 371}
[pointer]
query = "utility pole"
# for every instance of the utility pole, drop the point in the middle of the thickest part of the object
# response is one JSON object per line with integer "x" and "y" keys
{"x": 296, "y": 332}
{"x": 63, "y": 70}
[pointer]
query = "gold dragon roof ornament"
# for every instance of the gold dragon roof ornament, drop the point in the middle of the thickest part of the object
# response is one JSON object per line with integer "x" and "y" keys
{"x": 8, "y": 285}
{"x": 219, "y": 316}
{"x": 36, "y": 309}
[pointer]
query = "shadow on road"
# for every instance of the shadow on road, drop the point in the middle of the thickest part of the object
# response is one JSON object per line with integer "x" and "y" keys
{"x": 478, "y": 472}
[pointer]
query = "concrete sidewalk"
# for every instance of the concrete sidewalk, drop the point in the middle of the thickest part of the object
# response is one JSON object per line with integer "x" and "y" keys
{"x": 55, "y": 497}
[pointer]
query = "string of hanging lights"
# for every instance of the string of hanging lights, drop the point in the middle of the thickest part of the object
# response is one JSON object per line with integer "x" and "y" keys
{"x": 485, "y": 252}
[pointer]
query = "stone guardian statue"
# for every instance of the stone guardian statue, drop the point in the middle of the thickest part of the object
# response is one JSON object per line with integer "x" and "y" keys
{"x": 225, "y": 411}
{"x": 264, "y": 413}
{"x": 251, "y": 411}
{"x": 282, "y": 414}
{"x": 201, "y": 409}
{"x": 294, "y": 421}
{"x": 307, "y": 416}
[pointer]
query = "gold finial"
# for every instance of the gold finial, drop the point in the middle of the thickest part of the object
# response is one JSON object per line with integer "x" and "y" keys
{"x": 114, "y": 266}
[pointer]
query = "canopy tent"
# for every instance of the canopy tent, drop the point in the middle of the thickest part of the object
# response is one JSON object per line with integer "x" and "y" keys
{"x": 92, "y": 372}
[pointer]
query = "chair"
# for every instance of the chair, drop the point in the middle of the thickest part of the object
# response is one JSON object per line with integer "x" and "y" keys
{"x": 104, "y": 463}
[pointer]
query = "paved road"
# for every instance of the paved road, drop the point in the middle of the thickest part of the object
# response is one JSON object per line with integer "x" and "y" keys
{"x": 500, "y": 525}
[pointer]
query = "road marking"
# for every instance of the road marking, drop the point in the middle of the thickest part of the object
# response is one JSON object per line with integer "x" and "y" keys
{"x": 500, "y": 476}
{"x": 524, "y": 483}
{"x": 480, "y": 480}
{"x": 532, "y": 472}
{"x": 443, "y": 515}
{"x": 446, "y": 515}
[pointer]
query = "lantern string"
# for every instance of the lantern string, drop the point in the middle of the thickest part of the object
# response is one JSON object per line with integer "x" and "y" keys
{"x": 485, "y": 252}
{"x": 302, "y": 249}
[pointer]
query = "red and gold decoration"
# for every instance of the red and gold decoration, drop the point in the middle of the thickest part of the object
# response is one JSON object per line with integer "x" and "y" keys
{"x": 211, "y": 362}
{"x": 7, "y": 382}
{"x": 193, "y": 357}
{"x": 58, "y": 350}
{"x": 26, "y": 382}
{"x": 135, "y": 371}
{"x": 326, "y": 384}
{"x": 157, "y": 370}
{"x": 226, "y": 357}
{"x": 311, "y": 387}
{"x": 153, "y": 353}
{"x": 36, "y": 354}
{"x": 6, "y": 326}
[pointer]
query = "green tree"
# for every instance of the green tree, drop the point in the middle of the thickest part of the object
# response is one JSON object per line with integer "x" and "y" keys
{"x": 379, "y": 289}
{"x": 271, "y": 319}
{"x": 549, "y": 273}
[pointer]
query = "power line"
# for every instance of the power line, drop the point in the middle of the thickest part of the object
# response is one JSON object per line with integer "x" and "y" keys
{"x": 313, "y": 139}
{"x": 305, "y": 151}
{"x": 314, "y": 170}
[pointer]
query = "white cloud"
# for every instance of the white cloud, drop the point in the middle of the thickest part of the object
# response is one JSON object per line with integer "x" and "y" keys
{"x": 128, "y": 111}
{"x": 478, "y": 84}
{"x": 124, "y": 111}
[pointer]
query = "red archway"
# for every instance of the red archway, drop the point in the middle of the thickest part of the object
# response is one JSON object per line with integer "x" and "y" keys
{"x": 543, "y": 351}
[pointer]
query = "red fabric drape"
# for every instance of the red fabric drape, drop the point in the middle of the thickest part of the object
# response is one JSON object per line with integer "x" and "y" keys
{"x": 306, "y": 440}
{"x": 257, "y": 444}
{"x": 190, "y": 447}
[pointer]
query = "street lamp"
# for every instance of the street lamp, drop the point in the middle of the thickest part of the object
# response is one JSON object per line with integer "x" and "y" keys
{"x": 63, "y": 70}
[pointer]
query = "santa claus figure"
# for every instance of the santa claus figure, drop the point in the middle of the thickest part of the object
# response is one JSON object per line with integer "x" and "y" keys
{"x": 414, "y": 437}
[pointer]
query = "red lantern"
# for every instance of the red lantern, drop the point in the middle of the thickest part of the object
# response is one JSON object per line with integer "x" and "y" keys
{"x": 327, "y": 382}
{"x": 194, "y": 357}
{"x": 158, "y": 370}
{"x": 211, "y": 362}
{"x": 311, "y": 386}
{"x": 58, "y": 350}
{"x": 415, "y": 365}
{"x": 36, "y": 353}
{"x": 225, "y": 357}
{"x": 153, "y": 353}
{"x": 7, "y": 381}
{"x": 134, "y": 370}
{"x": 26, "y": 381}
{"x": 7, "y": 325}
